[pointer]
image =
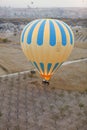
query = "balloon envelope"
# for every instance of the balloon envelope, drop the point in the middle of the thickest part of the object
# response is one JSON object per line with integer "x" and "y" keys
{"x": 47, "y": 43}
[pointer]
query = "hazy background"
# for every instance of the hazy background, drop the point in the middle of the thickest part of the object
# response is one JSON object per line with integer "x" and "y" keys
{"x": 43, "y": 3}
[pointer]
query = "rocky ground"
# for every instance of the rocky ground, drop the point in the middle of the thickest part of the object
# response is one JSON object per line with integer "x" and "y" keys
{"x": 26, "y": 104}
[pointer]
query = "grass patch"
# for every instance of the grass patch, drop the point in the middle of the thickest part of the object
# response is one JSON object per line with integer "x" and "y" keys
{"x": 55, "y": 117}
{"x": 4, "y": 40}
{"x": 81, "y": 105}
{"x": 0, "y": 114}
{"x": 61, "y": 94}
{"x": 86, "y": 90}
{"x": 64, "y": 108}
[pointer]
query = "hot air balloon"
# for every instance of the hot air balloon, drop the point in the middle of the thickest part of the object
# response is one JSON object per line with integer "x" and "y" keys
{"x": 47, "y": 43}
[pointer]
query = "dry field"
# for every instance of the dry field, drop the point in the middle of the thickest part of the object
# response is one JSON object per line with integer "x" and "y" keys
{"x": 13, "y": 60}
{"x": 26, "y": 104}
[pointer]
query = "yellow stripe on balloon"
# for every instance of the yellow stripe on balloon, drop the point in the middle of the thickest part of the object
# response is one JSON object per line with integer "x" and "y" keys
{"x": 66, "y": 48}
{"x": 25, "y": 46}
{"x": 36, "y": 49}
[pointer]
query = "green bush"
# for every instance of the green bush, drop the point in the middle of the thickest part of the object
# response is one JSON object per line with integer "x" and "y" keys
{"x": 81, "y": 105}
{"x": 5, "y": 40}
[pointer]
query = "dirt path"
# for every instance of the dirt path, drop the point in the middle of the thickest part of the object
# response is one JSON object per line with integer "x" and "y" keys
{"x": 75, "y": 61}
{"x": 66, "y": 63}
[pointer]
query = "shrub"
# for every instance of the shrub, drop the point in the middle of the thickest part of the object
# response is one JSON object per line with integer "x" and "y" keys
{"x": 5, "y": 40}
{"x": 81, "y": 105}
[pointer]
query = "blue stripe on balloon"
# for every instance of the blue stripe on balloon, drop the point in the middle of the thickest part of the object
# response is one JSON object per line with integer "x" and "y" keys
{"x": 71, "y": 37}
{"x": 55, "y": 66}
{"x": 49, "y": 67}
{"x": 63, "y": 34}
{"x": 36, "y": 65}
{"x": 42, "y": 66}
{"x": 52, "y": 34}
{"x": 29, "y": 37}
{"x": 23, "y": 33}
{"x": 41, "y": 33}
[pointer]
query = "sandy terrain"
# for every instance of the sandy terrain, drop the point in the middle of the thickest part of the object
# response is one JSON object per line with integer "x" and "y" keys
{"x": 26, "y": 104}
